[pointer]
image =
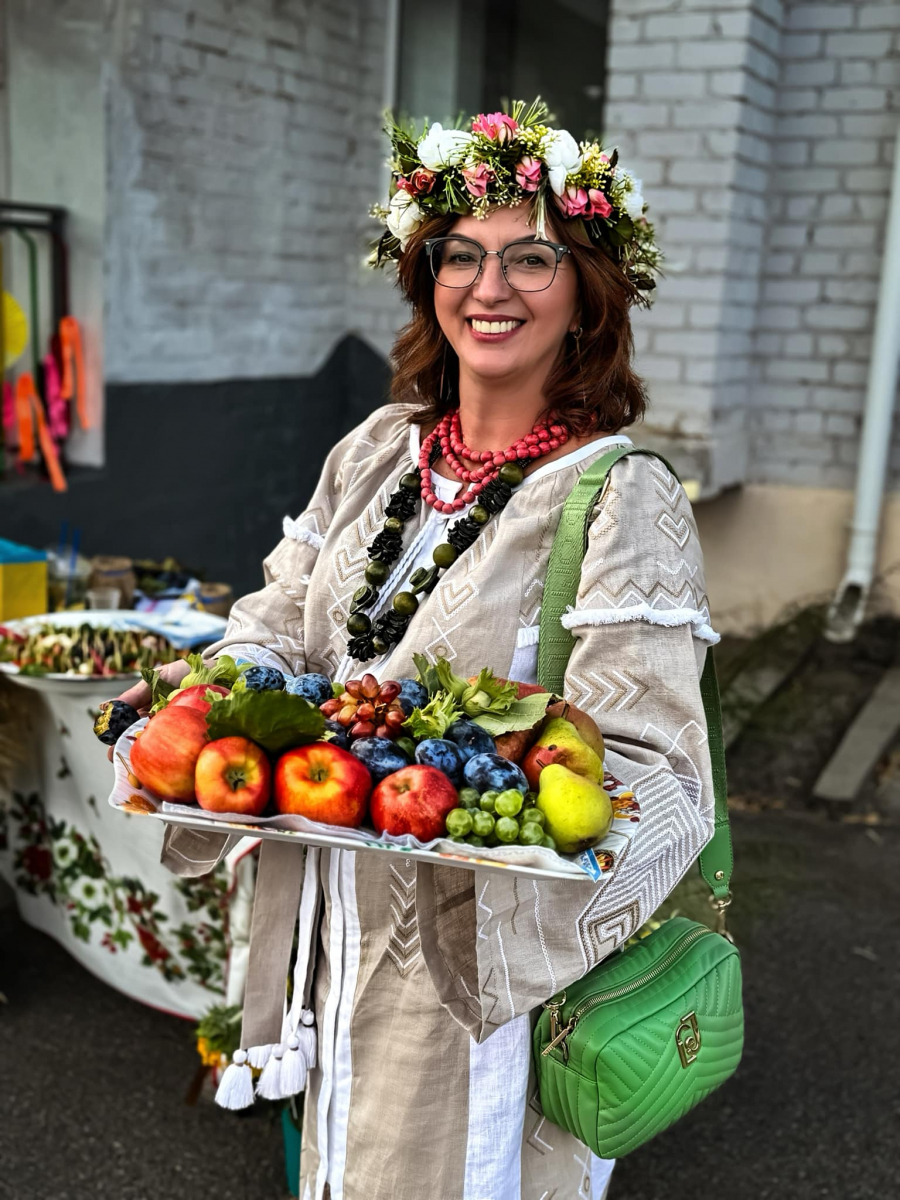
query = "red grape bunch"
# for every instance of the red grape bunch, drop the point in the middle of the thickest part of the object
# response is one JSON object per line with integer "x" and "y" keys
{"x": 367, "y": 708}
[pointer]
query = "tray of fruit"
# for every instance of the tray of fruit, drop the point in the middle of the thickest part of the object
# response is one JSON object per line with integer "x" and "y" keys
{"x": 81, "y": 646}
{"x": 468, "y": 772}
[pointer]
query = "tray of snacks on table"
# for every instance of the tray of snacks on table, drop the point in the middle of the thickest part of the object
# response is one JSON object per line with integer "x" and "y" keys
{"x": 86, "y": 646}
{"x": 476, "y": 772}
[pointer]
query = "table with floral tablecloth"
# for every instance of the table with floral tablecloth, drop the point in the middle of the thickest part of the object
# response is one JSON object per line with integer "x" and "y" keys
{"x": 90, "y": 876}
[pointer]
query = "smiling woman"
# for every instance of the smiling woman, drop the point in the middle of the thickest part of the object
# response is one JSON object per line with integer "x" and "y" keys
{"x": 428, "y": 538}
{"x": 579, "y": 342}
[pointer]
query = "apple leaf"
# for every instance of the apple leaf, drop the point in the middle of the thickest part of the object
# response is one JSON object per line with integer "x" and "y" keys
{"x": 277, "y": 721}
{"x": 160, "y": 690}
{"x": 522, "y": 714}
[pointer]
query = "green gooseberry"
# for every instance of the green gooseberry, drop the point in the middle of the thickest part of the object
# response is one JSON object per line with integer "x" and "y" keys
{"x": 459, "y": 822}
{"x": 509, "y": 803}
{"x": 482, "y": 823}
{"x": 488, "y": 801}
{"x": 534, "y": 816}
{"x": 531, "y": 834}
{"x": 507, "y": 829}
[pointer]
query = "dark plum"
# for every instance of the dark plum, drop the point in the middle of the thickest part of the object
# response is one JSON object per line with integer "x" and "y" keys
{"x": 380, "y": 755}
{"x": 341, "y": 735}
{"x": 491, "y": 773}
{"x": 412, "y": 695}
{"x": 312, "y": 687}
{"x": 446, "y": 756}
{"x": 471, "y": 739}
{"x": 115, "y": 717}
{"x": 261, "y": 679}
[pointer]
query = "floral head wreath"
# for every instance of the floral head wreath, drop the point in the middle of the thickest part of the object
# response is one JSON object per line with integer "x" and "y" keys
{"x": 508, "y": 158}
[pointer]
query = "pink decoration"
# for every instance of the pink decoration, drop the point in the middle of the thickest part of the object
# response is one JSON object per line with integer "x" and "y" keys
{"x": 528, "y": 173}
{"x": 497, "y": 126}
{"x": 477, "y": 179}
{"x": 422, "y": 181}
{"x": 57, "y": 407}
{"x": 9, "y": 405}
{"x": 598, "y": 205}
{"x": 573, "y": 202}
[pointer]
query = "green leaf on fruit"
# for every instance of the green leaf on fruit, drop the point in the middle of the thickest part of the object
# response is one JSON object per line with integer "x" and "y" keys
{"x": 434, "y": 719}
{"x": 277, "y": 721}
{"x": 523, "y": 714}
{"x": 428, "y": 675}
{"x": 160, "y": 690}
{"x": 224, "y": 671}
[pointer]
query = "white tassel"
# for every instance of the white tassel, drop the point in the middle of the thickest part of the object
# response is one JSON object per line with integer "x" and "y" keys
{"x": 236, "y": 1088}
{"x": 269, "y": 1083}
{"x": 258, "y": 1056}
{"x": 293, "y": 1069}
{"x": 307, "y": 1036}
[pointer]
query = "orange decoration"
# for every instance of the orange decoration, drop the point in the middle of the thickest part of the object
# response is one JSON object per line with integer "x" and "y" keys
{"x": 24, "y": 392}
{"x": 73, "y": 379}
{"x": 30, "y": 411}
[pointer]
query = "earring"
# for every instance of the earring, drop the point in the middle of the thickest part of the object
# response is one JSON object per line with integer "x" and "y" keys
{"x": 576, "y": 334}
{"x": 443, "y": 372}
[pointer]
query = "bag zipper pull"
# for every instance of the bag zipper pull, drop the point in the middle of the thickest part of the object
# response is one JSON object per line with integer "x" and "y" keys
{"x": 560, "y": 1039}
{"x": 553, "y": 1007}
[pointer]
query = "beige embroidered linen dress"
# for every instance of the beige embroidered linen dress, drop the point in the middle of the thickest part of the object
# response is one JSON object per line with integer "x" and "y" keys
{"x": 426, "y": 978}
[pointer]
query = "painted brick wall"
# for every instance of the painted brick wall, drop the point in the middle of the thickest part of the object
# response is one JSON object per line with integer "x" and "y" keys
{"x": 838, "y": 114}
{"x": 243, "y": 154}
{"x": 764, "y": 135}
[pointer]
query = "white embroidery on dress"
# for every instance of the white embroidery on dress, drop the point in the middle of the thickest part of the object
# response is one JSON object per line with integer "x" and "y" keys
{"x": 299, "y": 533}
{"x": 575, "y": 618}
{"x": 540, "y": 928}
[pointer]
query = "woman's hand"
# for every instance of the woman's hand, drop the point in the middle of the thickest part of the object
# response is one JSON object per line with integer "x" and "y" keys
{"x": 139, "y": 695}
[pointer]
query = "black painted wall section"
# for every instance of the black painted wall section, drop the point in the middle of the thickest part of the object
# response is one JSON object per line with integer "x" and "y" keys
{"x": 204, "y": 471}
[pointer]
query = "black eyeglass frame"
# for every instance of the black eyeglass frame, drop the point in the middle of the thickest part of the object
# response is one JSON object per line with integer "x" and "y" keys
{"x": 555, "y": 246}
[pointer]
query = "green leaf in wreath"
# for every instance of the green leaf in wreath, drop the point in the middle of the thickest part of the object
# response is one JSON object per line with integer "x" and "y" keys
{"x": 277, "y": 721}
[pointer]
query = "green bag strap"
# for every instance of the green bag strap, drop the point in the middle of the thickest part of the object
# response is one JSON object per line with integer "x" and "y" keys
{"x": 556, "y": 642}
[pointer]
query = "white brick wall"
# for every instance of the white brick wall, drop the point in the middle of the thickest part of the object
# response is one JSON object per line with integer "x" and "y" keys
{"x": 243, "y": 155}
{"x": 764, "y": 135}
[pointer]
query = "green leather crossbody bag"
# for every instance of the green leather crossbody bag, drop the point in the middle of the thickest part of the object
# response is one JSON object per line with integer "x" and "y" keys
{"x": 646, "y": 1035}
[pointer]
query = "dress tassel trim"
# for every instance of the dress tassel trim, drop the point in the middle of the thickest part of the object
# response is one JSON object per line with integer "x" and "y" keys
{"x": 298, "y": 533}
{"x": 576, "y": 618}
{"x": 528, "y": 635}
{"x": 235, "y": 1089}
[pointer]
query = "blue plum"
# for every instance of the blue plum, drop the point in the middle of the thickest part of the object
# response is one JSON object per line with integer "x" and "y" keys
{"x": 471, "y": 739}
{"x": 446, "y": 756}
{"x": 312, "y": 687}
{"x": 263, "y": 679}
{"x": 341, "y": 734}
{"x": 412, "y": 695}
{"x": 380, "y": 755}
{"x": 492, "y": 772}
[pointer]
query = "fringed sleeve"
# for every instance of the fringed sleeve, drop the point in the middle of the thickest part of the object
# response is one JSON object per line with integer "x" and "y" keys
{"x": 498, "y": 946}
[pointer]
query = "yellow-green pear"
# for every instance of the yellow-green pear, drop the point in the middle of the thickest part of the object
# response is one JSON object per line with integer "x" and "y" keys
{"x": 560, "y": 742}
{"x": 577, "y": 811}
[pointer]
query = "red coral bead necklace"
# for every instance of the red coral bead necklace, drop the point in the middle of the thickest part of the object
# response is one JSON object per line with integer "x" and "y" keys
{"x": 448, "y": 434}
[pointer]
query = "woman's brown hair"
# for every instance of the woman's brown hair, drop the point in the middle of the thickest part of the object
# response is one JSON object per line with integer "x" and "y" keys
{"x": 592, "y": 387}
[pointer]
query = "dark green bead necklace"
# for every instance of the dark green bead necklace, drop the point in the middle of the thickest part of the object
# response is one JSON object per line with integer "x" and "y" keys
{"x": 368, "y": 638}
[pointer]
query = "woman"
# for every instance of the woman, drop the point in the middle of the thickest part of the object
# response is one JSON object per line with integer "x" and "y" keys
{"x": 425, "y": 979}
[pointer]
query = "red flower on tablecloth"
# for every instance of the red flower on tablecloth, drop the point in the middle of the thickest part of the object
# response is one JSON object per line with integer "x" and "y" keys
{"x": 38, "y": 862}
{"x": 55, "y": 860}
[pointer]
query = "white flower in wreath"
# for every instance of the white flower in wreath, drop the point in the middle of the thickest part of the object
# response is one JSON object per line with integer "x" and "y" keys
{"x": 88, "y": 891}
{"x": 634, "y": 201}
{"x": 65, "y": 852}
{"x": 563, "y": 158}
{"x": 404, "y": 217}
{"x": 441, "y": 148}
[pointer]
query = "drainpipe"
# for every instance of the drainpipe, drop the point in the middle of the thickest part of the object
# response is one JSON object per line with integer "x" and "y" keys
{"x": 848, "y": 606}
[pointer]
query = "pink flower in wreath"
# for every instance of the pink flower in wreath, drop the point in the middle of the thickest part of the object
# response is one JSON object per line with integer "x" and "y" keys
{"x": 477, "y": 179}
{"x": 598, "y": 205}
{"x": 528, "y": 173}
{"x": 405, "y": 185}
{"x": 422, "y": 180}
{"x": 573, "y": 201}
{"x": 497, "y": 126}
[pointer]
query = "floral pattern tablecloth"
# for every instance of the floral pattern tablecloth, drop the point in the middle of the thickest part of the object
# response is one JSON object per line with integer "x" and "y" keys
{"x": 90, "y": 876}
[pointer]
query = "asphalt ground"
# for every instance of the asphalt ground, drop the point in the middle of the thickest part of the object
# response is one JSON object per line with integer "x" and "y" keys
{"x": 92, "y": 1084}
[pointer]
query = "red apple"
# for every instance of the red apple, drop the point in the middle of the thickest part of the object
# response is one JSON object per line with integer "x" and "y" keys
{"x": 233, "y": 775}
{"x": 165, "y": 754}
{"x": 539, "y": 757}
{"x": 324, "y": 783}
{"x": 194, "y": 697}
{"x": 416, "y": 800}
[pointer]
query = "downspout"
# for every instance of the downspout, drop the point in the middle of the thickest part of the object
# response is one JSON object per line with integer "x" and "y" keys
{"x": 848, "y": 606}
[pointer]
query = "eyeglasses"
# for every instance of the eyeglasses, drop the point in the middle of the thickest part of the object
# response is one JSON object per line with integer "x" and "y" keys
{"x": 528, "y": 265}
